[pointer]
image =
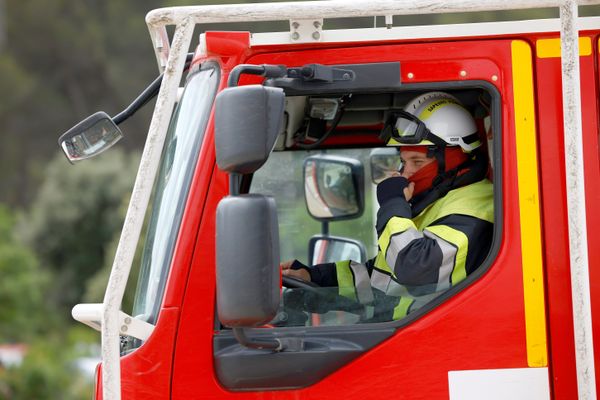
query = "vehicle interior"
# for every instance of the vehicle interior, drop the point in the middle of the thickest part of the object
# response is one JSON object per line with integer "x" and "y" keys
{"x": 322, "y": 173}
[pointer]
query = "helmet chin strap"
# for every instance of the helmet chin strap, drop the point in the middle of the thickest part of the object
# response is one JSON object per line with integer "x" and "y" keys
{"x": 437, "y": 151}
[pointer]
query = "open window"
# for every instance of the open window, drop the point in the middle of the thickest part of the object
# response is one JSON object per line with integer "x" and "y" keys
{"x": 323, "y": 173}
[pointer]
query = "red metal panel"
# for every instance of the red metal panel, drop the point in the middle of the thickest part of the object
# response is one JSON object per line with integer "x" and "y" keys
{"x": 194, "y": 376}
{"x": 146, "y": 373}
{"x": 554, "y": 213}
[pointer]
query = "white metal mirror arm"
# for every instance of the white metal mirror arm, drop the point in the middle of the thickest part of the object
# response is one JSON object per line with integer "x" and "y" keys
{"x": 111, "y": 382}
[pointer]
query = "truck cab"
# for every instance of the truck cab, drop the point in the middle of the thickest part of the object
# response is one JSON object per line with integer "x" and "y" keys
{"x": 267, "y": 147}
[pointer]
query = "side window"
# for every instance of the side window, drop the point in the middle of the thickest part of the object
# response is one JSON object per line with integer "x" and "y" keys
{"x": 282, "y": 177}
{"x": 171, "y": 188}
{"x": 428, "y": 216}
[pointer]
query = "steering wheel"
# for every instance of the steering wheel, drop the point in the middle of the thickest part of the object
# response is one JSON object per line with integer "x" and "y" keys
{"x": 296, "y": 283}
{"x": 318, "y": 301}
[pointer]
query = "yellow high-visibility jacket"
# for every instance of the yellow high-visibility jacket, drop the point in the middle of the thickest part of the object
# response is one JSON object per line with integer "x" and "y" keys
{"x": 421, "y": 257}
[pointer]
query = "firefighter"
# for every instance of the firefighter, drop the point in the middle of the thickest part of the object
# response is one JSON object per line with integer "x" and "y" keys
{"x": 435, "y": 220}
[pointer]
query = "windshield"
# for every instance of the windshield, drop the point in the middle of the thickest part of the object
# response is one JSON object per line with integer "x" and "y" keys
{"x": 178, "y": 161}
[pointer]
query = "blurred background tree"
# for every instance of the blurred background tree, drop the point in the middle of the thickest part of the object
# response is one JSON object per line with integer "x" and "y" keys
{"x": 22, "y": 286}
{"x": 76, "y": 213}
{"x": 59, "y": 62}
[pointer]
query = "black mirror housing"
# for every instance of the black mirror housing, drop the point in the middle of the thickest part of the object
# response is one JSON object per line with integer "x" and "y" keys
{"x": 248, "y": 276}
{"x": 247, "y": 122}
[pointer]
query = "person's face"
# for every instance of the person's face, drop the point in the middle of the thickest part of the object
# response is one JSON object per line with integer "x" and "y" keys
{"x": 413, "y": 161}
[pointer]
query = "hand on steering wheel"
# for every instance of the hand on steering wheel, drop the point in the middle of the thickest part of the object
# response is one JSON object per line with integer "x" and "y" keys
{"x": 295, "y": 283}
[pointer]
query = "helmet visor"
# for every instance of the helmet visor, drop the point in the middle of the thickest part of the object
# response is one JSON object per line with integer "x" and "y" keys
{"x": 408, "y": 129}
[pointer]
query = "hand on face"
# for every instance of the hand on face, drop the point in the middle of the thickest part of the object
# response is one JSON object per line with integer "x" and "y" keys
{"x": 412, "y": 162}
{"x": 409, "y": 190}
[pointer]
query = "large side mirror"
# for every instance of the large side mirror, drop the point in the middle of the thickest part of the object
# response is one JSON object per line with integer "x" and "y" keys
{"x": 247, "y": 122}
{"x": 90, "y": 137}
{"x": 326, "y": 249}
{"x": 248, "y": 277}
{"x": 384, "y": 163}
{"x": 333, "y": 187}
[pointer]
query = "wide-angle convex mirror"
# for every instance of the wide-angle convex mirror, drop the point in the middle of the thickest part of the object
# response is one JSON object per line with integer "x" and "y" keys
{"x": 333, "y": 187}
{"x": 90, "y": 137}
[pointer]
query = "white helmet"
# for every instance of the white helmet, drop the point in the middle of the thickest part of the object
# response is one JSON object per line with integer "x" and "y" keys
{"x": 434, "y": 118}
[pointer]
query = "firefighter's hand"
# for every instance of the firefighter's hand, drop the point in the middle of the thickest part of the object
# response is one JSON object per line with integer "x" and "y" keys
{"x": 295, "y": 269}
{"x": 409, "y": 190}
{"x": 395, "y": 187}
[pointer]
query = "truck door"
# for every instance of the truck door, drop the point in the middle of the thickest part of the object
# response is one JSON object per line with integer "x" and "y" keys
{"x": 486, "y": 337}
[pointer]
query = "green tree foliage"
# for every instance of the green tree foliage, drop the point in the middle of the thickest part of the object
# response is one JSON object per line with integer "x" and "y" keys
{"x": 96, "y": 285}
{"x": 75, "y": 216}
{"x": 61, "y": 61}
{"x": 22, "y": 287}
{"x": 49, "y": 370}
{"x": 40, "y": 374}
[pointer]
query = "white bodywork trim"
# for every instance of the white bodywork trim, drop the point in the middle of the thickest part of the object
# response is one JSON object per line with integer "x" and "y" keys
{"x": 500, "y": 384}
{"x": 573, "y": 137}
{"x": 171, "y": 59}
{"x": 428, "y": 31}
{"x": 111, "y": 381}
{"x": 157, "y": 20}
{"x": 91, "y": 315}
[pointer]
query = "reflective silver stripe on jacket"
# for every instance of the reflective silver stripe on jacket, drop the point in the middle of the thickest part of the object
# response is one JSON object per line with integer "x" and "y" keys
{"x": 387, "y": 285}
{"x": 448, "y": 260}
{"x": 362, "y": 283}
{"x": 419, "y": 301}
{"x": 398, "y": 243}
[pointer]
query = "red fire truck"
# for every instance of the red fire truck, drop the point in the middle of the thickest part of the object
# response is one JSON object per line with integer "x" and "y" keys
{"x": 265, "y": 147}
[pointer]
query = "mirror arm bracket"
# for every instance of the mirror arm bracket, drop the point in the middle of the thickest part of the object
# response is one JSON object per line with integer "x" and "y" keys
{"x": 148, "y": 94}
{"x": 325, "y": 228}
{"x": 266, "y": 70}
{"x": 235, "y": 181}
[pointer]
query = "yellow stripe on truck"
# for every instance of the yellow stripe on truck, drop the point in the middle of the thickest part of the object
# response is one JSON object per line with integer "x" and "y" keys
{"x": 550, "y": 48}
{"x": 529, "y": 205}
